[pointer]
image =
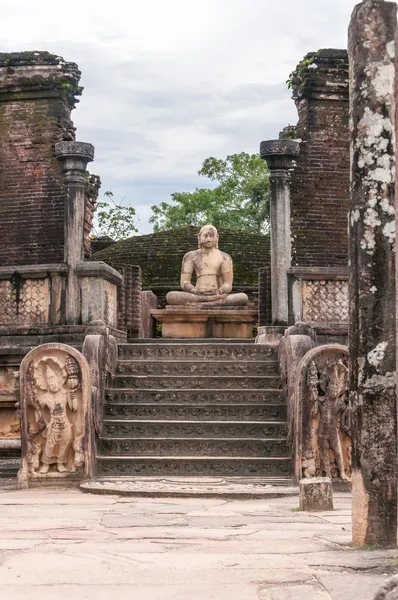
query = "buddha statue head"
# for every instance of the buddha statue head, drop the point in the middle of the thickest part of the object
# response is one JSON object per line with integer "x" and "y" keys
{"x": 208, "y": 237}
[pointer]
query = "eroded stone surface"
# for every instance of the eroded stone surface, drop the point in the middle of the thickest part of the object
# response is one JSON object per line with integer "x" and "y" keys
{"x": 66, "y": 544}
{"x": 55, "y": 413}
{"x": 372, "y": 287}
{"x": 316, "y": 494}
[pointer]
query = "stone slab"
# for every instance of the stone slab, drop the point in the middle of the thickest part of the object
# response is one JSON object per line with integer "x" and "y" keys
{"x": 191, "y": 487}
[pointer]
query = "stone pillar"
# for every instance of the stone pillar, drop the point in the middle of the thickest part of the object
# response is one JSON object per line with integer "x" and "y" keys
{"x": 280, "y": 155}
{"x": 372, "y": 282}
{"x": 74, "y": 157}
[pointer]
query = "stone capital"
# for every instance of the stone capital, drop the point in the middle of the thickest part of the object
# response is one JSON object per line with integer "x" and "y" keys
{"x": 74, "y": 156}
{"x": 280, "y": 155}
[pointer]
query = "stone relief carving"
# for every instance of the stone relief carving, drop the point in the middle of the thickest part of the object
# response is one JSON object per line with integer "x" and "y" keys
{"x": 195, "y": 396}
{"x": 189, "y": 467}
{"x": 325, "y": 301}
{"x": 175, "y": 352}
{"x": 24, "y": 301}
{"x": 323, "y": 414}
{"x": 196, "y": 368}
{"x": 55, "y": 412}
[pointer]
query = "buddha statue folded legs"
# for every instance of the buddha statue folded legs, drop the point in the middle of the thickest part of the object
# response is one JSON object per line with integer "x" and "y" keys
{"x": 186, "y": 298}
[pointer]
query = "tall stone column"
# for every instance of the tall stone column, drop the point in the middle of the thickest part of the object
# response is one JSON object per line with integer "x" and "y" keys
{"x": 372, "y": 266}
{"x": 74, "y": 157}
{"x": 280, "y": 156}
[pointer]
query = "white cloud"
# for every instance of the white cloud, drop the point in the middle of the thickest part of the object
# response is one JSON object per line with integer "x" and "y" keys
{"x": 169, "y": 83}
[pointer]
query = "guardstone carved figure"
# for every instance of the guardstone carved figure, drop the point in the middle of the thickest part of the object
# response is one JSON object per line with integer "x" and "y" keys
{"x": 322, "y": 423}
{"x": 214, "y": 275}
{"x": 331, "y": 407}
{"x": 55, "y": 413}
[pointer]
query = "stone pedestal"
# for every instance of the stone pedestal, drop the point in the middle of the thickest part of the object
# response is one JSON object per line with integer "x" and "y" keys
{"x": 316, "y": 494}
{"x": 182, "y": 322}
{"x": 98, "y": 283}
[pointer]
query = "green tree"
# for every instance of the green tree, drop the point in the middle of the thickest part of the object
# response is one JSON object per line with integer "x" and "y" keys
{"x": 239, "y": 201}
{"x": 115, "y": 220}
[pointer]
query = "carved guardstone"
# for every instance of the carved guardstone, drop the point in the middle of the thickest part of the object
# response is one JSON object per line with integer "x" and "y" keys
{"x": 322, "y": 414}
{"x": 316, "y": 494}
{"x": 56, "y": 431}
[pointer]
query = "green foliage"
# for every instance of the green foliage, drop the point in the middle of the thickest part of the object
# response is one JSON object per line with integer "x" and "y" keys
{"x": 240, "y": 201}
{"x": 115, "y": 220}
{"x": 296, "y": 77}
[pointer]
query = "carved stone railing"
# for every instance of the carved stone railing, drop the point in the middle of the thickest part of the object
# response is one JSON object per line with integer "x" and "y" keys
{"x": 129, "y": 300}
{"x": 319, "y": 297}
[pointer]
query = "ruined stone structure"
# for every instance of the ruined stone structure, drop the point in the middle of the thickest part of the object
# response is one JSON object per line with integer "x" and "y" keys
{"x": 292, "y": 403}
{"x": 48, "y": 293}
{"x": 312, "y": 278}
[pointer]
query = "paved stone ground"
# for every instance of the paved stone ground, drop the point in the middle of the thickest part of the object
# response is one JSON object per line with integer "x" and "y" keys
{"x": 64, "y": 544}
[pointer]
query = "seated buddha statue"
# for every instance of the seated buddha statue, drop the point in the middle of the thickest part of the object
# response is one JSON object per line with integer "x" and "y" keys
{"x": 214, "y": 275}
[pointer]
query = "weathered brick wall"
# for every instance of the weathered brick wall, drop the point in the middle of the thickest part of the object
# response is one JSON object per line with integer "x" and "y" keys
{"x": 320, "y": 183}
{"x": 37, "y": 93}
{"x": 264, "y": 296}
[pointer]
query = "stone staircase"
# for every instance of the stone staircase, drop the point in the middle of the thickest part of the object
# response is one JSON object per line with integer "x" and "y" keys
{"x": 195, "y": 408}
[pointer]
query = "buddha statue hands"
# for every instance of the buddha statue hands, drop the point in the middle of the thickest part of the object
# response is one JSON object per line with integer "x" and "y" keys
{"x": 214, "y": 275}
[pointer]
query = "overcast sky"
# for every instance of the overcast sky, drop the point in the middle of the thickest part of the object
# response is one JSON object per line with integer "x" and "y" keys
{"x": 170, "y": 82}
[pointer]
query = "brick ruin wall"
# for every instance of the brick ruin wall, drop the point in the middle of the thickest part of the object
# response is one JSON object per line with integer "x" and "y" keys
{"x": 320, "y": 183}
{"x": 37, "y": 93}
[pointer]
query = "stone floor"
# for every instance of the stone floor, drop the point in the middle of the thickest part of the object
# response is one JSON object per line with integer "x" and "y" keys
{"x": 63, "y": 544}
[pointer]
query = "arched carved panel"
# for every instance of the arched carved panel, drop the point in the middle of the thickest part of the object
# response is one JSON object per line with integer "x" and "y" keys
{"x": 322, "y": 430}
{"x": 56, "y": 430}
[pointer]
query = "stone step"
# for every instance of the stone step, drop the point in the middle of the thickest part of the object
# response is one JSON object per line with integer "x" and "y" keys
{"x": 238, "y": 488}
{"x": 220, "y": 447}
{"x": 196, "y": 351}
{"x": 9, "y": 467}
{"x": 199, "y": 412}
{"x": 193, "y": 397}
{"x": 205, "y": 368}
{"x": 193, "y": 341}
{"x": 194, "y": 465}
{"x": 193, "y": 429}
{"x": 176, "y": 382}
